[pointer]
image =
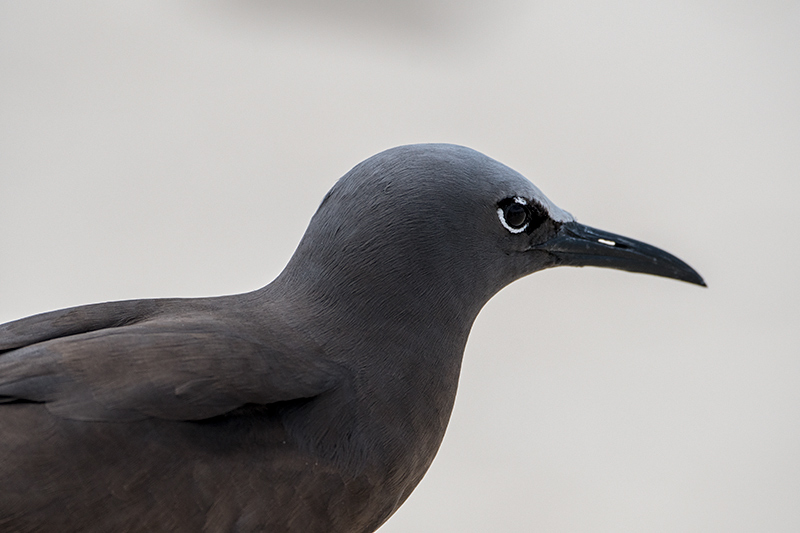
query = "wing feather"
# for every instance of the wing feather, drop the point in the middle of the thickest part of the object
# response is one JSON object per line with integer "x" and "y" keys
{"x": 122, "y": 366}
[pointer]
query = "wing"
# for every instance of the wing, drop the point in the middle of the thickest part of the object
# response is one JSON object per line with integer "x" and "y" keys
{"x": 130, "y": 360}
{"x": 75, "y": 320}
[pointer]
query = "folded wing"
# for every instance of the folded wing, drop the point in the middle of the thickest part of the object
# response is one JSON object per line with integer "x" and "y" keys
{"x": 130, "y": 360}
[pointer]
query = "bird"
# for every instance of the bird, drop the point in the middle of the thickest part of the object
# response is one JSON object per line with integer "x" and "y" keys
{"x": 313, "y": 404}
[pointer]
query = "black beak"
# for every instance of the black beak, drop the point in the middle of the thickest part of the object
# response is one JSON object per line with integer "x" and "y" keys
{"x": 579, "y": 245}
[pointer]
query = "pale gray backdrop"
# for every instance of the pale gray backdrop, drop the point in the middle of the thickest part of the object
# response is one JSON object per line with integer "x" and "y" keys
{"x": 179, "y": 148}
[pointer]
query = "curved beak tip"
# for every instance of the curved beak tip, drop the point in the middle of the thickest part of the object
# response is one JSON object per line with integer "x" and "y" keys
{"x": 699, "y": 281}
{"x": 694, "y": 278}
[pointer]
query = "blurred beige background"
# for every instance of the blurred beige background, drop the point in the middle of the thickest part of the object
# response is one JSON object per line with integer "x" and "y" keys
{"x": 178, "y": 148}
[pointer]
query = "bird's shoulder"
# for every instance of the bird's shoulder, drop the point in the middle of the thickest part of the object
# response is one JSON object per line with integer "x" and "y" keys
{"x": 182, "y": 359}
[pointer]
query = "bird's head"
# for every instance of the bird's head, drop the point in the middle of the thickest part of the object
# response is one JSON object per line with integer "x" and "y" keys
{"x": 439, "y": 223}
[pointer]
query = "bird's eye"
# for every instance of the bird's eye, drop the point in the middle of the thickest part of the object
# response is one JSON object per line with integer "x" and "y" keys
{"x": 514, "y": 214}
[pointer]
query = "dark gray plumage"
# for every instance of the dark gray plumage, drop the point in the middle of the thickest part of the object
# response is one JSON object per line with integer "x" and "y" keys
{"x": 314, "y": 404}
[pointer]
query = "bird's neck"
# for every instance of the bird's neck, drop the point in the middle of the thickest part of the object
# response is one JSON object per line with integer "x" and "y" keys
{"x": 404, "y": 345}
{"x": 367, "y": 314}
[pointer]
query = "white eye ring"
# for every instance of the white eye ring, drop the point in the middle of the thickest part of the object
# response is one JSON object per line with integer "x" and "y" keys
{"x": 501, "y": 215}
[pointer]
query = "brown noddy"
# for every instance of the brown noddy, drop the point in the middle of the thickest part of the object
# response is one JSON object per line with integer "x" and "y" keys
{"x": 314, "y": 404}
